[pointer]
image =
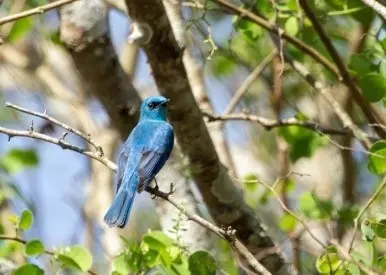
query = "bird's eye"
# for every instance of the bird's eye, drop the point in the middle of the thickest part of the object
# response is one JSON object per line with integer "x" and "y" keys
{"x": 150, "y": 105}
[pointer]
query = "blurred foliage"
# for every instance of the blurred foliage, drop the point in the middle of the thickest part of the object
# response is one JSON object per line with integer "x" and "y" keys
{"x": 245, "y": 47}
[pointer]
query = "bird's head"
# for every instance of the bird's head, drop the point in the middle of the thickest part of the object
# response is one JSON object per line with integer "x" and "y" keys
{"x": 154, "y": 107}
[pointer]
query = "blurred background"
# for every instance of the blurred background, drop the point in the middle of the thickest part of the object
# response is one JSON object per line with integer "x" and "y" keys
{"x": 69, "y": 193}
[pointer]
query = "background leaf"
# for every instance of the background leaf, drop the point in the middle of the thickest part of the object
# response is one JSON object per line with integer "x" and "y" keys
{"x": 201, "y": 262}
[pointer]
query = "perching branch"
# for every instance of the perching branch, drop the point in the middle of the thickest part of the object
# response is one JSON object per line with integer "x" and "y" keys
{"x": 37, "y": 10}
{"x": 55, "y": 121}
{"x": 227, "y": 234}
{"x": 269, "y": 124}
{"x": 48, "y": 252}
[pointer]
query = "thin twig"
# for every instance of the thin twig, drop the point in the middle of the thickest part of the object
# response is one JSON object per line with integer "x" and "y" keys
{"x": 275, "y": 29}
{"x": 362, "y": 212}
{"x": 37, "y": 10}
{"x": 227, "y": 234}
{"x": 48, "y": 252}
{"x": 248, "y": 82}
{"x": 269, "y": 124}
{"x": 61, "y": 142}
{"x": 324, "y": 91}
{"x": 366, "y": 108}
{"x": 57, "y": 122}
{"x": 346, "y": 256}
{"x": 290, "y": 212}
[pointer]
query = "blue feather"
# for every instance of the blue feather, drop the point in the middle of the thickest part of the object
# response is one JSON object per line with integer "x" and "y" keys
{"x": 144, "y": 154}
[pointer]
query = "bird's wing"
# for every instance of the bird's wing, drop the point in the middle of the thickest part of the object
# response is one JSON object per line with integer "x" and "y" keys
{"x": 155, "y": 155}
{"x": 121, "y": 167}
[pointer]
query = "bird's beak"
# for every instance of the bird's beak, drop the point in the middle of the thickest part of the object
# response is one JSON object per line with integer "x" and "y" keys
{"x": 165, "y": 102}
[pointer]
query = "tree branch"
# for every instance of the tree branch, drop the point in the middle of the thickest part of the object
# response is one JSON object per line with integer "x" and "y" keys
{"x": 228, "y": 234}
{"x": 269, "y": 124}
{"x": 48, "y": 252}
{"x": 364, "y": 209}
{"x": 56, "y": 122}
{"x": 37, "y": 10}
{"x": 366, "y": 108}
{"x": 220, "y": 194}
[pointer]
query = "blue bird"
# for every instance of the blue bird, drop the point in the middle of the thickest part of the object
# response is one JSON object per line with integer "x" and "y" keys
{"x": 144, "y": 154}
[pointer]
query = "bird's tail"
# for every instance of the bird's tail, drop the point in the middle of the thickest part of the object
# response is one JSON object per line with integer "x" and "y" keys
{"x": 119, "y": 211}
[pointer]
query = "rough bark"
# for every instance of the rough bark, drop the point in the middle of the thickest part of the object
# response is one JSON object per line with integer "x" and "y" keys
{"x": 224, "y": 201}
{"x": 84, "y": 30}
{"x": 110, "y": 81}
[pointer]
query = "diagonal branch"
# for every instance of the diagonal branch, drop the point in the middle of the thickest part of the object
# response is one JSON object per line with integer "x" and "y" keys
{"x": 370, "y": 114}
{"x": 227, "y": 234}
{"x": 269, "y": 124}
{"x": 57, "y": 122}
{"x": 37, "y": 10}
{"x": 224, "y": 200}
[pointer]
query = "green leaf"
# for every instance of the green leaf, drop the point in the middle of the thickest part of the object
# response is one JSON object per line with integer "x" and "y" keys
{"x": 302, "y": 142}
{"x": 202, "y": 263}
{"x": 157, "y": 240}
{"x": 20, "y": 28}
{"x": 360, "y": 64}
{"x": 34, "y": 248}
{"x": 287, "y": 223}
{"x": 328, "y": 262}
{"x": 377, "y": 160}
{"x": 222, "y": 65}
{"x": 373, "y": 86}
{"x": 29, "y": 269}
{"x": 17, "y": 159}
{"x": 380, "y": 228}
{"x": 367, "y": 231}
{"x": 121, "y": 265}
{"x": 26, "y": 220}
{"x": 248, "y": 29}
{"x": 313, "y": 207}
{"x": 250, "y": 182}
{"x": 292, "y": 26}
{"x": 382, "y": 263}
{"x": 76, "y": 257}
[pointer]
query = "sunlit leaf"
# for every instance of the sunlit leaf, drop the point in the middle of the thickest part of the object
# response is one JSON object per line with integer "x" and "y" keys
{"x": 292, "y": 26}
{"x": 373, "y": 86}
{"x": 313, "y": 207}
{"x": 20, "y": 28}
{"x": 287, "y": 223}
{"x": 26, "y": 220}
{"x": 16, "y": 160}
{"x": 29, "y": 269}
{"x": 76, "y": 257}
{"x": 328, "y": 262}
{"x": 34, "y": 248}
{"x": 377, "y": 160}
{"x": 380, "y": 228}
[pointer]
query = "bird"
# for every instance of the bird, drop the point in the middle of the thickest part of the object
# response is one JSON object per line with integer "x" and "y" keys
{"x": 144, "y": 153}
